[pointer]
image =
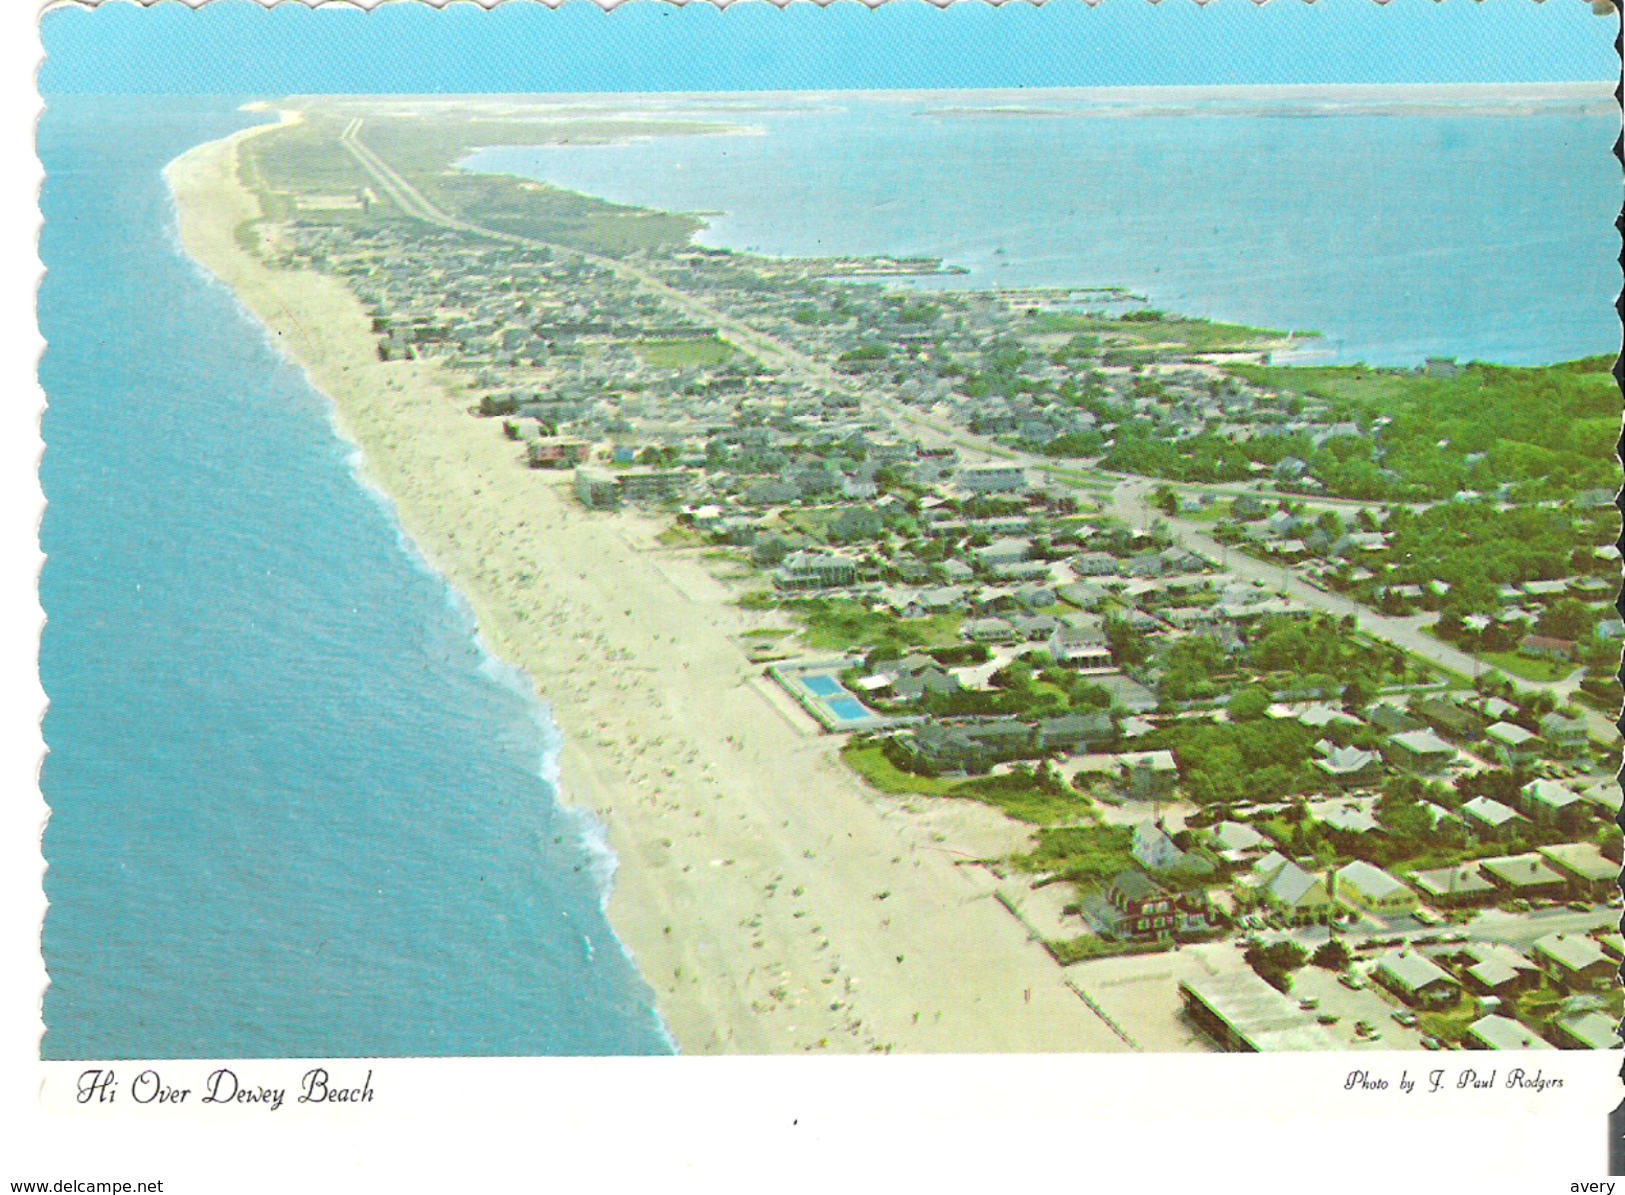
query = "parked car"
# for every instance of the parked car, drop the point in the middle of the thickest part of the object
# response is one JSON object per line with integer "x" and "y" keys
{"x": 1351, "y": 981}
{"x": 1309, "y": 1003}
{"x": 1327, "y": 1018}
{"x": 1431, "y": 1043}
{"x": 1407, "y": 1019}
{"x": 1579, "y": 906}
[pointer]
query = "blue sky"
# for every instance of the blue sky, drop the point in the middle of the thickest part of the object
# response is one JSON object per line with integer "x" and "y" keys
{"x": 235, "y": 47}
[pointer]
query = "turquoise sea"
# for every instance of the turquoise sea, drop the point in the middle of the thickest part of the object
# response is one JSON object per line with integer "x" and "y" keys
{"x": 296, "y": 809}
{"x": 1400, "y": 225}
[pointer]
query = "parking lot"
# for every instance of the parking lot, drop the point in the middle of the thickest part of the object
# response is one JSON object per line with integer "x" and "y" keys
{"x": 1370, "y": 1004}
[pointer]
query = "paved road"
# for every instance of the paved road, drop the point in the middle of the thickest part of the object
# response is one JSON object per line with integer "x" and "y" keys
{"x": 1129, "y": 498}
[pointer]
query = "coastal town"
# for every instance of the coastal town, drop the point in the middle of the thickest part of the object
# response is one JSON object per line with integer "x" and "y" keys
{"x": 1296, "y": 684}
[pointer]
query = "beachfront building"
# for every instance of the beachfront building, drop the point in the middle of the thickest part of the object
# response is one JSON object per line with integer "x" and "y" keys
{"x": 815, "y": 570}
{"x": 1136, "y": 906}
{"x": 1297, "y": 896}
{"x": 596, "y": 489}
{"x": 1244, "y": 1014}
{"x": 1367, "y": 888}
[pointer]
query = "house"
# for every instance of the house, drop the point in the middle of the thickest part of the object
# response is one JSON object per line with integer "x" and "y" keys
{"x": 1416, "y": 979}
{"x": 1341, "y": 818}
{"x": 1573, "y": 961}
{"x": 1526, "y": 876}
{"x": 1544, "y": 647}
{"x": 1549, "y": 803}
{"x": 1498, "y": 970}
{"x": 555, "y": 452}
{"x": 1010, "y": 550}
{"x": 1391, "y": 719}
{"x": 989, "y": 630}
{"x": 1452, "y": 887}
{"x": 1094, "y": 564}
{"x": 1564, "y": 736}
{"x": 1148, "y": 775}
{"x": 1488, "y": 818}
{"x": 1590, "y": 874}
{"x": 1153, "y": 849}
{"x": 815, "y": 570}
{"x": 945, "y": 749}
{"x": 992, "y": 479}
{"x": 1513, "y": 745}
{"x": 1136, "y": 906}
{"x": 1605, "y": 797}
{"x": 1075, "y": 732}
{"x": 1420, "y": 751}
{"x": 1235, "y": 842}
{"x": 1366, "y": 887}
{"x": 1297, "y": 895}
{"x": 1496, "y": 1032}
{"x": 1587, "y": 1031}
{"x": 1003, "y": 738}
{"x": 1449, "y": 719}
{"x": 596, "y": 489}
{"x": 1350, "y": 766}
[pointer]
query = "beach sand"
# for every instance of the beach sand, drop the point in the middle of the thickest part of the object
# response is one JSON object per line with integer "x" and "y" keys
{"x": 772, "y": 901}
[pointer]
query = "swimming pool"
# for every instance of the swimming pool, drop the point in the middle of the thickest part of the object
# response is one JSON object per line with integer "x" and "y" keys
{"x": 823, "y": 686}
{"x": 848, "y": 709}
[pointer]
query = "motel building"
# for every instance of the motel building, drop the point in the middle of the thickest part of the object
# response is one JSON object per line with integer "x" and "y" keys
{"x": 1369, "y": 889}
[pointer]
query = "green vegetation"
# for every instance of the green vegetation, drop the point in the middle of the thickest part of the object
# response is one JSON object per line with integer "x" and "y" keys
{"x": 683, "y": 354}
{"x": 1451, "y": 1024}
{"x": 1275, "y": 961}
{"x": 1153, "y": 327}
{"x": 1084, "y": 947}
{"x": 1549, "y": 431}
{"x": 869, "y": 761}
{"x": 1088, "y": 856}
{"x": 1529, "y": 667}
{"x": 838, "y": 624}
{"x": 1226, "y": 762}
{"x": 1019, "y": 794}
{"x": 307, "y": 159}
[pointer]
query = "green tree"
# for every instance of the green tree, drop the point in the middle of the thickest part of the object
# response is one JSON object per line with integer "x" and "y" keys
{"x": 1249, "y": 704}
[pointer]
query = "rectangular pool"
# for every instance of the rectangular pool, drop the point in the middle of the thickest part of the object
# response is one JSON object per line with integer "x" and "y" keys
{"x": 847, "y": 709}
{"x": 822, "y": 686}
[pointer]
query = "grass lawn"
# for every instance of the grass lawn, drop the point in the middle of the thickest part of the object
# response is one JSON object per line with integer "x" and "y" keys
{"x": 1529, "y": 667}
{"x": 1451, "y": 1024}
{"x": 836, "y": 624}
{"x": 870, "y": 762}
{"x": 1086, "y": 855}
{"x": 683, "y": 354}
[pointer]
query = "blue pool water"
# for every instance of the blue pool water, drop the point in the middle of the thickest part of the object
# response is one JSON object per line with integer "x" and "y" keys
{"x": 848, "y": 709}
{"x": 822, "y": 686}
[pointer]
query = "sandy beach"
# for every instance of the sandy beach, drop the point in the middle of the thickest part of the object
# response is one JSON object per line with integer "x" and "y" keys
{"x": 771, "y": 900}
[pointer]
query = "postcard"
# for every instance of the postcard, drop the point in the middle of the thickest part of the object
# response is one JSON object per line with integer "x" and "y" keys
{"x": 1028, "y": 574}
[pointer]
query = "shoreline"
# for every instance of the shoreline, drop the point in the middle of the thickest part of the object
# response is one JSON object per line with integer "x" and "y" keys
{"x": 771, "y": 901}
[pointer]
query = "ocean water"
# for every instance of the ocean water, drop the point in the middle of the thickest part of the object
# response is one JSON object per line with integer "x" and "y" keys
{"x": 296, "y": 809}
{"x": 1484, "y": 233}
